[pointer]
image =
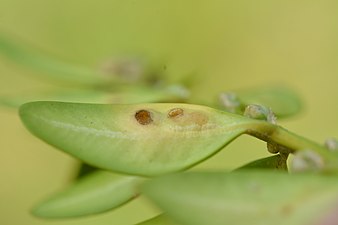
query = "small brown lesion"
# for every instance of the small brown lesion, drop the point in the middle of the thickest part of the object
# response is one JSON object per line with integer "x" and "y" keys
{"x": 175, "y": 113}
{"x": 143, "y": 117}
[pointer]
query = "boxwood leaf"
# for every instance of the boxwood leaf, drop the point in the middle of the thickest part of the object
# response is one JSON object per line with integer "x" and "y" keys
{"x": 121, "y": 95}
{"x": 265, "y": 197}
{"x": 52, "y": 68}
{"x": 74, "y": 95}
{"x": 95, "y": 193}
{"x": 141, "y": 139}
{"x": 283, "y": 101}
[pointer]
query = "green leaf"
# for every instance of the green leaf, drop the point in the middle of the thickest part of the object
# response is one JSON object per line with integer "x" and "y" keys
{"x": 74, "y": 95}
{"x": 262, "y": 197}
{"x": 141, "y": 139}
{"x": 132, "y": 94}
{"x": 158, "y": 220}
{"x": 52, "y": 68}
{"x": 277, "y": 162}
{"x": 95, "y": 193}
{"x": 152, "y": 139}
{"x": 121, "y": 95}
{"x": 283, "y": 101}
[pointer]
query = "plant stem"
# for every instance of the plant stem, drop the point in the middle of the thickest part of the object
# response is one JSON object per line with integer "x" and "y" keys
{"x": 278, "y": 135}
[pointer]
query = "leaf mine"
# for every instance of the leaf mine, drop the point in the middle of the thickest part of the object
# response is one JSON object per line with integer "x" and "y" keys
{"x": 143, "y": 117}
{"x": 175, "y": 113}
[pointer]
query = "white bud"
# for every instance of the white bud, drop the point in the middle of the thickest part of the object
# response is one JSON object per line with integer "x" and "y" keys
{"x": 331, "y": 144}
{"x": 307, "y": 161}
{"x": 260, "y": 112}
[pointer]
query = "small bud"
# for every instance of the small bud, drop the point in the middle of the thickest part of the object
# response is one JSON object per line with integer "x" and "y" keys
{"x": 260, "y": 112}
{"x": 272, "y": 148}
{"x": 307, "y": 161}
{"x": 276, "y": 148}
{"x": 230, "y": 102}
{"x": 331, "y": 144}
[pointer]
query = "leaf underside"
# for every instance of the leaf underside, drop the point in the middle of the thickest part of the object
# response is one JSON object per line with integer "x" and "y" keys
{"x": 266, "y": 197}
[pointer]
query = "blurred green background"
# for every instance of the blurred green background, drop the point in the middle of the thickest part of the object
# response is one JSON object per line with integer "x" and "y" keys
{"x": 225, "y": 44}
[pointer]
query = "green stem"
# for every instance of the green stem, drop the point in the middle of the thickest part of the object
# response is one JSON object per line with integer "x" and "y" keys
{"x": 278, "y": 135}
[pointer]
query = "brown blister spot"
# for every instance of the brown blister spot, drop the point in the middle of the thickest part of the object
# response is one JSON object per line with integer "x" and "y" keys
{"x": 175, "y": 113}
{"x": 143, "y": 117}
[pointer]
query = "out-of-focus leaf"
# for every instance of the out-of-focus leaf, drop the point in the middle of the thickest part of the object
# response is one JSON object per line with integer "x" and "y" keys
{"x": 277, "y": 162}
{"x": 142, "y": 94}
{"x": 95, "y": 193}
{"x": 246, "y": 197}
{"x": 122, "y": 95}
{"x": 52, "y": 68}
{"x": 142, "y": 139}
{"x": 283, "y": 101}
{"x": 158, "y": 220}
{"x": 77, "y": 95}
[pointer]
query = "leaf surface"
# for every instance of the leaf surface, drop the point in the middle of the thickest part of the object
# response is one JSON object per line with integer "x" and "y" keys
{"x": 55, "y": 69}
{"x": 98, "y": 192}
{"x": 122, "y": 95}
{"x": 283, "y": 101}
{"x": 264, "y": 197}
{"x": 141, "y": 139}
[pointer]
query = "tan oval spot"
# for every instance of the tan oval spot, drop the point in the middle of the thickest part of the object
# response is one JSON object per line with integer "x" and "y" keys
{"x": 199, "y": 118}
{"x": 176, "y": 112}
{"x": 143, "y": 117}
